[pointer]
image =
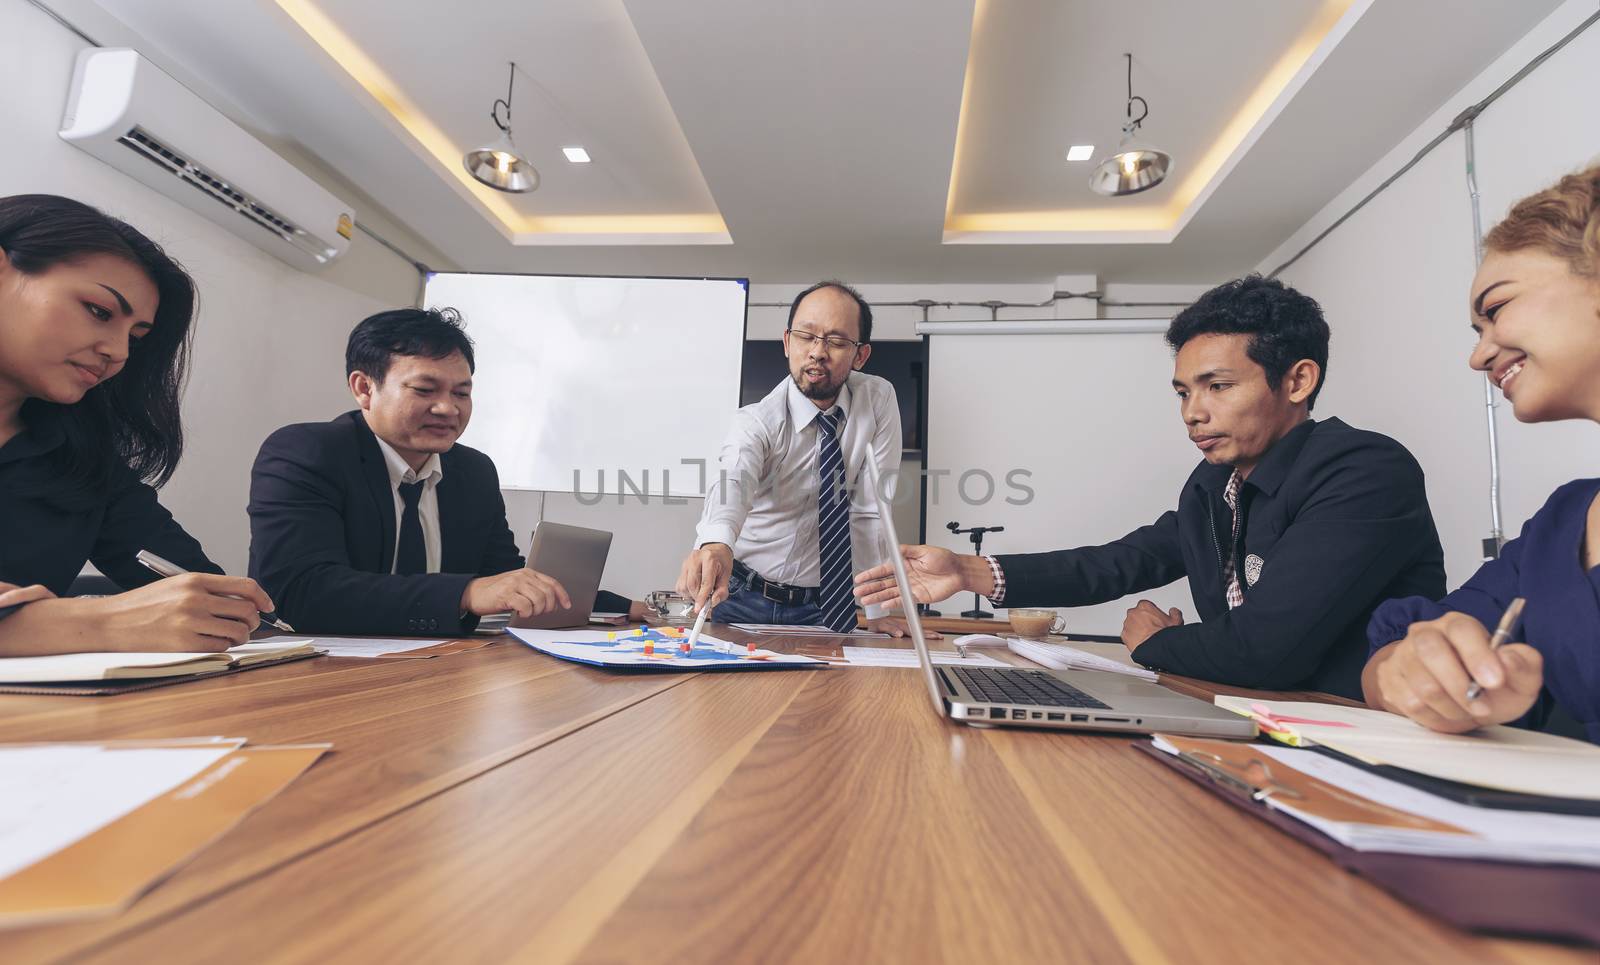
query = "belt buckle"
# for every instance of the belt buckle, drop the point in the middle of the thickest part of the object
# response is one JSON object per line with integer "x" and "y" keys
{"x": 767, "y": 590}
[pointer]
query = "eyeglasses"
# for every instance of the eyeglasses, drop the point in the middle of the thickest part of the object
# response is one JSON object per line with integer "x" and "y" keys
{"x": 835, "y": 343}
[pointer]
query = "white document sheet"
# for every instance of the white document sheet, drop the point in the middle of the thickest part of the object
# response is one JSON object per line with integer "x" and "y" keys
{"x": 888, "y": 657}
{"x": 804, "y": 630}
{"x": 360, "y": 646}
{"x": 54, "y": 794}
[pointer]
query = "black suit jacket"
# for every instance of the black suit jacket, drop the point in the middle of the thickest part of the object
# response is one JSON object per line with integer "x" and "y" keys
{"x": 322, "y": 533}
{"x": 1335, "y": 521}
{"x": 47, "y": 535}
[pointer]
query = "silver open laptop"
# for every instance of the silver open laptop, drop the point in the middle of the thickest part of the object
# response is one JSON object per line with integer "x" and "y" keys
{"x": 575, "y": 557}
{"x": 1067, "y": 699}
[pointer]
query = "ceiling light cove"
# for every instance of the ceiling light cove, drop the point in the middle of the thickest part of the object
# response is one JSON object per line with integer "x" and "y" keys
{"x": 564, "y": 211}
{"x": 1014, "y": 77}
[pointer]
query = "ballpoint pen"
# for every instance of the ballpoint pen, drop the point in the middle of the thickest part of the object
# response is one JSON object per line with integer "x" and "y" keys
{"x": 165, "y": 568}
{"x": 694, "y": 635}
{"x": 1502, "y": 633}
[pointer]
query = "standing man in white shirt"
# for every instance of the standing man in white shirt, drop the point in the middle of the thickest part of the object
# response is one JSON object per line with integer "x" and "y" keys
{"x": 790, "y": 517}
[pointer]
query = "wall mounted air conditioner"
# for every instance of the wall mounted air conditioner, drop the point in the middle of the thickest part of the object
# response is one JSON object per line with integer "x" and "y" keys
{"x": 128, "y": 113}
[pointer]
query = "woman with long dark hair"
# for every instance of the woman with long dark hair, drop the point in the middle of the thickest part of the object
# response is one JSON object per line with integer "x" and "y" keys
{"x": 1536, "y": 309}
{"x": 94, "y": 340}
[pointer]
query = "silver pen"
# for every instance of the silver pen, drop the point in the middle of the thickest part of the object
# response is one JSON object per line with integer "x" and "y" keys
{"x": 165, "y": 568}
{"x": 1502, "y": 635}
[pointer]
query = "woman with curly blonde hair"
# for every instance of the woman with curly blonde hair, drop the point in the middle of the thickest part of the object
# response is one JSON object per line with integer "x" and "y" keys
{"x": 1535, "y": 305}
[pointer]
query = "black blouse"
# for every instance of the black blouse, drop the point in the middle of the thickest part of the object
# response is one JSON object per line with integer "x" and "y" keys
{"x": 46, "y": 537}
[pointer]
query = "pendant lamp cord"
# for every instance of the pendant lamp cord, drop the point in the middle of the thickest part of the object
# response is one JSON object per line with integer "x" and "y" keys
{"x": 494, "y": 112}
{"x": 1132, "y": 123}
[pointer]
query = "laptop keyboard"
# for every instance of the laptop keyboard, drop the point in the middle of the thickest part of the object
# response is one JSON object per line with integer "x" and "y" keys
{"x": 1026, "y": 687}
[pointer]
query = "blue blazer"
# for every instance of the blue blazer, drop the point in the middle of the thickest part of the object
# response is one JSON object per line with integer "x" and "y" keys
{"x": 322, "y": 533}
{"x": 1562, "y": 619}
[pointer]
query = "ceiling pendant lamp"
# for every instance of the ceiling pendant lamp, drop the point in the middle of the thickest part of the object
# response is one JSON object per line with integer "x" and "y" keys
{"x": 500, "y": 165}
{"x": 1135, "y": 166}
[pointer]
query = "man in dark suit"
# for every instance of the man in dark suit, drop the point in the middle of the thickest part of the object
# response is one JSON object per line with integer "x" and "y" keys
{"x": 1291, "y": 531}
{"x": 378, "y": 522}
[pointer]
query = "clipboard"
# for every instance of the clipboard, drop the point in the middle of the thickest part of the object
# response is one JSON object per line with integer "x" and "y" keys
{"x": 1544, "y": 901}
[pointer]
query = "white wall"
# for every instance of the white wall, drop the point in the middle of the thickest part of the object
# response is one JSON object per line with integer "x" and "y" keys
{"x": 1394, "y": 280}
{"x": 1092, "y": 422}
{"x": 269, "y": 340}
{"x": 651, "y": 539}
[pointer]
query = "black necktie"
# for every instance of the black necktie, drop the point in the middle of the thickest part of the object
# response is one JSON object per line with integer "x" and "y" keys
{"x": 413, "y": 553}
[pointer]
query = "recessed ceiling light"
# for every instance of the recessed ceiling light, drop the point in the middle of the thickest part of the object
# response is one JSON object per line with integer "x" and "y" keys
{"x": 576, "y": 155}
{"x": 1080, "y": 152}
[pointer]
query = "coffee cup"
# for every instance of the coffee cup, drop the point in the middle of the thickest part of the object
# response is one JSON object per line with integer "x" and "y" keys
{"x": 1033, "y": 624}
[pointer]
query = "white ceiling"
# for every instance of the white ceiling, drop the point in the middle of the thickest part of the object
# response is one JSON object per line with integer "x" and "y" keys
{"x": 1016, "y": 151}
{"x": 821, "y": 134}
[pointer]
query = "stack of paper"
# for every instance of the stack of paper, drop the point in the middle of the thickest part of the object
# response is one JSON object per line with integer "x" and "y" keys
{"x": 890, "y": 657}
{"x": 1503, "y": 758}
{"x": 1059, "y": 657}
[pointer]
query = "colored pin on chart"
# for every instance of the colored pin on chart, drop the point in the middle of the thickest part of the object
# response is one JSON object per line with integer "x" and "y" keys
{"x": 699, "y": 624}
{"x": 684, "y": 644}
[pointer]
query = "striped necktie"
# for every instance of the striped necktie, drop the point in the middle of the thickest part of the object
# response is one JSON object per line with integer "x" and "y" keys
{"x": 1230, "y": 571}
{"x": 833, "y": 528}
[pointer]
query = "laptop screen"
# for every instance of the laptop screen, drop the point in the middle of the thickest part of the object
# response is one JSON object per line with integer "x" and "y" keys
{"x": 908, "y": 604}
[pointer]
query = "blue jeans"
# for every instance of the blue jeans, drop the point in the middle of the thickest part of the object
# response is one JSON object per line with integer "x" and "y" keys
{"x": 746, "y": 605}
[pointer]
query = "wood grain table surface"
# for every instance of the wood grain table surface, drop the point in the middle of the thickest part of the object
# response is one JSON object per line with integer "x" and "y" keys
{"x": 501, "y": 805}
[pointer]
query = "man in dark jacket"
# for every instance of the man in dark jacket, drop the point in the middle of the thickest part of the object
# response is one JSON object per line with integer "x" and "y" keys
{"x": 379, "y": 522}
{"x": 1291, "y": 532}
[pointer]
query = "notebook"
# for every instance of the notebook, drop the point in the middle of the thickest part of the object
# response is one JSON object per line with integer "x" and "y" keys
{"x": 1499, "y": 757}
{"x": 100, "y": 673}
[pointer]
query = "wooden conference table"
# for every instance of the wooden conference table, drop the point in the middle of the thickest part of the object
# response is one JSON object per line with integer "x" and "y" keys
{"x": 501, "y": 805}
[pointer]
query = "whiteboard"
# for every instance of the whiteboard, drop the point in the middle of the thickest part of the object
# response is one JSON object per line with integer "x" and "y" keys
{"x": 599, "y": 385}
{"x": 1094, "y": 421}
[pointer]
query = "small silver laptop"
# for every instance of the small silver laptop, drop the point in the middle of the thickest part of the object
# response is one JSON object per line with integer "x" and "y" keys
{"x": 1065, "y": 699}
{"x": 575, "y": 557}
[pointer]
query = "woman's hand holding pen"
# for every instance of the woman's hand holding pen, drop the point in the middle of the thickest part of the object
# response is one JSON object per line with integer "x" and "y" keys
{"x": 193, "y": 612}
{"x": 1427, "y": 675}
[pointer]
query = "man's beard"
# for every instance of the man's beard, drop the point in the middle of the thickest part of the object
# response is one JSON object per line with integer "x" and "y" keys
{"x": 823, "y": 391}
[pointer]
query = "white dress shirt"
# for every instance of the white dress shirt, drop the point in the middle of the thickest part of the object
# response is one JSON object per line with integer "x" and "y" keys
{"x": 427, "y": 507}
{"x": 762, "y": 498}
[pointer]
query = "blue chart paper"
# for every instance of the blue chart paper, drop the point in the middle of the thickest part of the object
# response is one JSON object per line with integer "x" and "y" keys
{"x": 626, "y": 650}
